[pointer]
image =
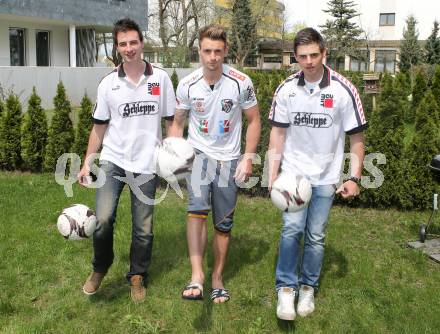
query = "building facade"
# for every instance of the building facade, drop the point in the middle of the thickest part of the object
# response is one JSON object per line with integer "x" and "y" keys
{"x": 59, "y": 32}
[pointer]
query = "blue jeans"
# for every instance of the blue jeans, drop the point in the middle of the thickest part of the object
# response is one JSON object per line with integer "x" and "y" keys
{"x": 311, "y": 222}
{"x": 107, "y": 198}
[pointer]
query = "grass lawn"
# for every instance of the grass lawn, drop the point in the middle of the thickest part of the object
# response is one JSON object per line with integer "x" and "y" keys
{"x": 371, "y": 282}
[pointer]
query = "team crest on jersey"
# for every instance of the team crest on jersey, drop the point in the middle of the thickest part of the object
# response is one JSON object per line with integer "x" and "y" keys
{"x": 224, "y": 126}
{"x": 327, "y": 100}
{"x": 227, "y": 105}
{"x": 203, "y": 126}
{"x": 153, "y": 88}
{"x": 234, "y": 74}
{"x": 250, "y": 94}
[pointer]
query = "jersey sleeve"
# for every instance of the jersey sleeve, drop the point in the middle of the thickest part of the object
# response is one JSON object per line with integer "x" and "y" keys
{"x": 168, "y": 99}
{"x": 353, "y": 116}
{"x": 247, "y": 95}
{"x": 278, "y": 115}
{"x": 182, "y": 97}
{"x": 101, "y": 112}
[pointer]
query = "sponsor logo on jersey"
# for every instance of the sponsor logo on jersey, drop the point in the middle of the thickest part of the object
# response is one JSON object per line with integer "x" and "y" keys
{"x": 224, "y": 126}
{"x": 203, "y": 126}
{"x": 138, "y": 108}
{"x": 227, "y": 105}
{"x": 234, "y": 74}
{"x": 312, "y": 120}
{"x": 153, "y": 88}
{"x": 327, "y": 100}
{"x": 117, "y": 87}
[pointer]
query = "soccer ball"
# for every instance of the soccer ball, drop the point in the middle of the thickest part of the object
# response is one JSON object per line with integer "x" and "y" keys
{"x": 174, "y": 158}
{"x": 291, "y": 192}
{"x": 76, "y": 222}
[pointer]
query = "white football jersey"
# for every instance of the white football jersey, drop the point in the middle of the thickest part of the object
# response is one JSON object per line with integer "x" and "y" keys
{"x": 134, "y": 113}
{"x": 316, "y": 124}
{"x": 215, "y": 115}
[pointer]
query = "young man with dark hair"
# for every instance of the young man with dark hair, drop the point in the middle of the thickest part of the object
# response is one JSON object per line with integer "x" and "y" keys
{"x": 312, "y": 112}
{"x": 215, "y": 95}
{"x": 131, "y": 102}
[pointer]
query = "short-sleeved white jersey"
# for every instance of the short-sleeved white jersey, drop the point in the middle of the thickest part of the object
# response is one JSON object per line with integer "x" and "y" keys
{"x": 316, "y": 124}
{"x": 215, "y": 115}
{"x": 134, "y": 113}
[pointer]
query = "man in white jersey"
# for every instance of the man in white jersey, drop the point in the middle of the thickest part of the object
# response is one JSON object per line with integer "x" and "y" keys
{"x": 215, "y": 95}
{"x": 131, "y": 102}
{"x": 311, "y": 113}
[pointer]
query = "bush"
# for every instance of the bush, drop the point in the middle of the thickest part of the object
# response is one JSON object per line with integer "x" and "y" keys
{"x": 418, "y": 92}
{"x": 83, "y": 127}
{"x": 34, "y": 135}
{"x": 10, "y": 135}
{"x": 61, "y": 136}
{"x": 174, "y": 79}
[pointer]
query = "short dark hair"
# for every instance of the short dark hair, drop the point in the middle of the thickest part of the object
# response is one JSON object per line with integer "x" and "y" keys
{"x": 124, "y": 25}
{"x": 308, "y": 36}
{"x": 213, "y": 31}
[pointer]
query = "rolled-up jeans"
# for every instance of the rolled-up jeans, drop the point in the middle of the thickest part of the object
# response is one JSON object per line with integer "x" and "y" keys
{"x": 107, "y": 198}
{"x": 311, "y": 222}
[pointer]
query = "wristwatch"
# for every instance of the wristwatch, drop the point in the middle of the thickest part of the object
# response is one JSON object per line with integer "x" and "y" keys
{"x": 355, "y": 179}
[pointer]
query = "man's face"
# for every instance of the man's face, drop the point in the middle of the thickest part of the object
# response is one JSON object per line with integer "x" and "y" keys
{"x": 129, "y": 46}
{"x": 310, "y": 58}
{"x": 212, "y": 53}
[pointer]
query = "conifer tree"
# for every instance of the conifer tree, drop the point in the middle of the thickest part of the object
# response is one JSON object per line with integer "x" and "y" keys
{"x": 34, "y": 134}
{"x": 435, "y": 87}
{"x": 60, "y": 135}
{"x": 432, "y": 46}
{"x": 342, "y": 36}
{"x": 418, "y": 91}
{"x": 11, "y": 134}
{"x": 174, "y": 79}
{"x": 410, "y": 50}
{"x": 243, "y": 35}
{"x": 385, "y": 135}
{"x": 419, "y": 182}
{"x": 83, "y": 127}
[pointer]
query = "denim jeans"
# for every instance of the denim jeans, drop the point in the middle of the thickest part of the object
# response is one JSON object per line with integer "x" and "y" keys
{"x": 107, "y": 198}
{"x": 311, "y": 222}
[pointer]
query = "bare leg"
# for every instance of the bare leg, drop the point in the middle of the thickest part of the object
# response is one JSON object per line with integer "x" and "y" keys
{"x": 220, "y": 246}
{"x": 197, "y": 235}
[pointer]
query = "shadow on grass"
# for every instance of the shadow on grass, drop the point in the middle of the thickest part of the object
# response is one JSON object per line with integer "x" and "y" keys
{"x": 335, "y": 264}
{"x": 286, "y": 326}
{"x": 112, "y": 288}
{"x": 243, "y": 250}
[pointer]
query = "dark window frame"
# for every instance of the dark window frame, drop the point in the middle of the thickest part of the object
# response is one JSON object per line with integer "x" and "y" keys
{"x": 23, "y": 61}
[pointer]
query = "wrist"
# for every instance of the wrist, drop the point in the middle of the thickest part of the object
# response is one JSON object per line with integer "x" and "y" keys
{"x": 355, "y": 179}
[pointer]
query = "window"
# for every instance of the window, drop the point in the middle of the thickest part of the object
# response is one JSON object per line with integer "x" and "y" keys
{"x": 293, "y": 59}
{"x": 273, "y": 59}
{"x": 338, "y": 64}
{"x": 387, "y": 19}
{"x": 16, "y": 46}
{"x": 361, "y": 63}
{"x": 42, "y": 48}
{"x": 385, "y": 61}
{"x": 251, "y": 61}
{"x": 149, "y": 56}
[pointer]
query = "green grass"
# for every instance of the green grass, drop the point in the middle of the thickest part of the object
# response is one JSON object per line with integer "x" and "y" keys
{"x": 371, "y": 282}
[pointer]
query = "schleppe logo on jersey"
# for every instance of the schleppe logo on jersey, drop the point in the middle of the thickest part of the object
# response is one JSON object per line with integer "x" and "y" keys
{"x": 312, "y": 120}
{"x": 138, "y": 108}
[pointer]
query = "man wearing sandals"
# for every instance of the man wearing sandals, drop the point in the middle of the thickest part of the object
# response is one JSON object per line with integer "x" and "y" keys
{"x": 311, "y": 113}
{"x": 215, "y": 96}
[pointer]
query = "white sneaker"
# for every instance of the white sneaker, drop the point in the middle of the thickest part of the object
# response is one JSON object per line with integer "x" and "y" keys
{"x": 306, "y": 300}
{"x": 286, "y": 304}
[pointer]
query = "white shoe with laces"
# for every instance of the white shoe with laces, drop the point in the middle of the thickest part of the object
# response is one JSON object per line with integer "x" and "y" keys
{"x": 286, "y": 304}
{"x": 306, "y": 300}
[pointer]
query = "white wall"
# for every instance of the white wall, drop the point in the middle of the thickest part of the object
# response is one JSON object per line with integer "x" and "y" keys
{"x": 77, "y": 81}
{"x": 59, "y": 42}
